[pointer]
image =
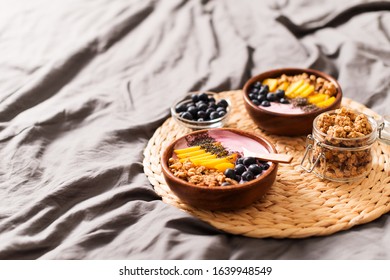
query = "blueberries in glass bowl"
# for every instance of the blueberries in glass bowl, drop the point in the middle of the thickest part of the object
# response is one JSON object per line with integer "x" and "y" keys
{"x": 201, "y": 110}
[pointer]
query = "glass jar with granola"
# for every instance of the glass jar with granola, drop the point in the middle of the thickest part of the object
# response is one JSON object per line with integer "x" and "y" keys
{"x": 339, "y": 149}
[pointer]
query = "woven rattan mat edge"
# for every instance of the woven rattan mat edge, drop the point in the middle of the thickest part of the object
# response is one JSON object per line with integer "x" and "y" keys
{"x": 299, "y": 204}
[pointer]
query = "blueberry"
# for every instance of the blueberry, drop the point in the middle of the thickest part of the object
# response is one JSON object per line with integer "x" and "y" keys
{"x": 284, "y": 101}
{"x": 202, "y": 106}
{"x": 202, "y": 114}
{"x": 222, "y": 103}
{"x": 186, "y": 115}
{"x": 280, "y": 93}
{"x": 265, "y": 166}
{"x": 255, "y": 169}
{"x": 181, "y": 108}
{"x": 220, "y": 109}
{"x": 212, "y": 105}
{"x": 221, "y": 113}
{"x": 214, "y": 115}
{"x": 271, "y": 97}
{"x": 204, "y": 97}
{"x": 249, "y": 160}
{"x": 190, "y": 104}
{"x": 195, "y": 98}
{"x": 200, "y": 120}
{"x": 254, "y": 91}
{"x": 263, "y": 91}
{"x": 257, "y": 84}
{"x": 240, "y": 160}
{"x": 193, "y": 111}
{"x": 252, "y": 96}
{"x": 224, "y": 184}
{"x": 261, "y": 98}
{"x": 265, "y": 87}
{"x": 265, "y": 103}
{"x": 230, "y": 173}
{"x": 211, "y": 99}
{"x": 238, "y": 178}
{"x": 247, "y": 176}
{"x": 209, "y": 111}
{"x": 240, "y": 168}
{"x": 256, "y": 102}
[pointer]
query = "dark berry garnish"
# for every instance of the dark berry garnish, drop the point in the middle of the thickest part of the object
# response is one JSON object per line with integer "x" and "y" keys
{"x": 221, "y": 113}
{"x": 186, "y": 115}
{"x": 202, "y": 106}
{"x": 230, "y": 173}
{"x": 284, "y": 101}
{"x": 238, "y": 178}
{"x": 209, "y": 111}
{"x": 271, "y": 97}
{"x": 252, "y": 96}
{"x": 265, "y": 166}
{"x": 220, "y": 109}
{"x": 264, "y": 89}
{"x": 261, "y": 98}
{"x": 195, "y": 98}
{"x": 222, "y": 103}
{"x": 204, "y": 97}
{"x": 190, "y": 104}
{"x": 213, "y": 105}
{"x": 181, "y": 108}
{"x": 249, "y": 160}
{"x": 200, "y": 120}
{"x": 265, "y": 103}
{"x": 247, "y": 176}
{"x": 211, "y": 99}
{"x": 202, "y": 114}
{"x": 214, "y": 115}
{"x": 193, "y": 111}
{"x": 255, "y": 169}
{"x": 257, "y": 84}
{"x": 240, "y": 160}
{"x": 280, "y": 93}
{"x": 257, "y": 103}
{"x": 239, "y": 169}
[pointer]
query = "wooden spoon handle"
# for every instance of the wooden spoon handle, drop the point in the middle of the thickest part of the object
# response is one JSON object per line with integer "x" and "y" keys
{"x": 280, "y": 158}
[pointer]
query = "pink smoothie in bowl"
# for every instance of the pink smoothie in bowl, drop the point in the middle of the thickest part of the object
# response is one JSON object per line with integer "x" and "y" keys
{"x": 218, "y": 153}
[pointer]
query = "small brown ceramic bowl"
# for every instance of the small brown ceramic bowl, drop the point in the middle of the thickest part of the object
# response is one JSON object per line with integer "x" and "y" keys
{"x": 285, "y": 123}
{"x": 222, "y": 197}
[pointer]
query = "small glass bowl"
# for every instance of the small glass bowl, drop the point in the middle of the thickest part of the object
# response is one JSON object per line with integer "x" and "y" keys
{"x": 195, "y": 125}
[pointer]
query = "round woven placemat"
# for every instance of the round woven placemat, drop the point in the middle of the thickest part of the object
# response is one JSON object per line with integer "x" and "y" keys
{"x": 298, "y": 204}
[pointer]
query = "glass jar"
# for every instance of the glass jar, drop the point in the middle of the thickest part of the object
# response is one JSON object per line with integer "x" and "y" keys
{"x": 341, "y": 159}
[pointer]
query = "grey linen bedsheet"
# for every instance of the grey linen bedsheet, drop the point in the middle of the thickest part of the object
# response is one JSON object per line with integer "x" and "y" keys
{"x": 84, "y": 85}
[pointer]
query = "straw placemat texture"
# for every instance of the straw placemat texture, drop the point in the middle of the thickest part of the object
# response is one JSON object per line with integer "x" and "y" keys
{"x": 298, "y": 204}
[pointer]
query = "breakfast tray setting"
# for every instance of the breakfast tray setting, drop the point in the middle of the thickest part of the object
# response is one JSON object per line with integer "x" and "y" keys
{"x": 299, "y": 204}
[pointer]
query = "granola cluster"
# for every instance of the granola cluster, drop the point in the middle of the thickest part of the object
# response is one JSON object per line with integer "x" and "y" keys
{"x": 344, "y": 124}
{"x": 343, "y": 130}
{"x": 198, "y": 175}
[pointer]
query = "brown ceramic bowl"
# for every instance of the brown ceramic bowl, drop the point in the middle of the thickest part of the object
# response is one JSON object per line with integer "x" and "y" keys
{"x": 284, "y": 123}
{"x": 222, "y": 197}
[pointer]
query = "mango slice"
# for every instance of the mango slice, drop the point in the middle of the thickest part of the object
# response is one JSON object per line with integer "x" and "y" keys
{"x": 272, "y": 84}
{"x": 284, "y": 86}
{"x": 195, "y": 153}
{"x": 187, "y": 150}
{"x": 326, "y": 103}
{"x": 293, "y": 87}
{"x": 309, "y": 90}
{"x": 317, "y": 98}
{"x": 223, "y": 166}
{"x": 198, "y": 161}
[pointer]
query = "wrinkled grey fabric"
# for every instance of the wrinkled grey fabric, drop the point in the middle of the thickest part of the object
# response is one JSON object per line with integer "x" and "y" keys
{"x": 84, "y": 85}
